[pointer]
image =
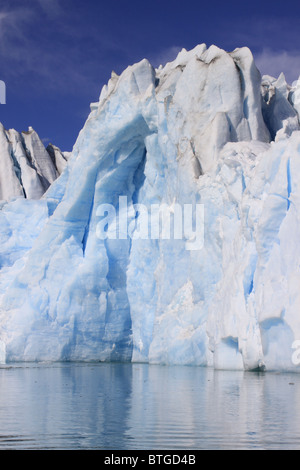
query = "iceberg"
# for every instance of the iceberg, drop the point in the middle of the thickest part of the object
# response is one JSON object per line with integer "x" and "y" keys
{"x": 87, "y": 275}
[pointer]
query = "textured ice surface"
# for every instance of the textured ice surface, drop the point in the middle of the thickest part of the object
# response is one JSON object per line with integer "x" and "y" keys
{"x": 27, "y": 169}
{"x": 204, "y": 129}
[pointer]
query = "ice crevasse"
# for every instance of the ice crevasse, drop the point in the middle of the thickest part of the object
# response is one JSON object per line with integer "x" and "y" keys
{"x": 204, "y": 130}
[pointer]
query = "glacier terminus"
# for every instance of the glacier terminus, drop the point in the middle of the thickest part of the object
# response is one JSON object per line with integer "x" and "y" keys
{"x": 203, "y": 131}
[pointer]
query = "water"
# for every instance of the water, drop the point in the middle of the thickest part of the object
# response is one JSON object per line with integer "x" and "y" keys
{"x": 137, "y": 406}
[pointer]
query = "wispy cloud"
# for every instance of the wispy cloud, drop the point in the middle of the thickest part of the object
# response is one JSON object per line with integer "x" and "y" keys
{"x": 12, "y": 24}
{"x": 272, "y": 63}
{"x": 52, "y": 8}
{"x": 42, "y": 43}
{"x": 273, "y": 40}
{"x": 165, "y": 55}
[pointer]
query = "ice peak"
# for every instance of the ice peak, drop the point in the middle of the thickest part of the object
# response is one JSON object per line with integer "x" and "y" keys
{"x": 26, "y": 168}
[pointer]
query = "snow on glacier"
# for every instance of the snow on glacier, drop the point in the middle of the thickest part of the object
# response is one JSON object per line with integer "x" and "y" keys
{"x": 205, "y": 129}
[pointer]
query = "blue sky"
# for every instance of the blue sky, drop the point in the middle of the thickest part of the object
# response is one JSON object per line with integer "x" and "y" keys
{"x": 56, "y": 55}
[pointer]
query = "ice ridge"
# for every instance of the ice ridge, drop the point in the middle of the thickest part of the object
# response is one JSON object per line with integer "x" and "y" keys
{"x": 27, "y": 168}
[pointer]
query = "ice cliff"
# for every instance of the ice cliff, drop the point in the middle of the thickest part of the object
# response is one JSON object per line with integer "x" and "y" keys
{"x": 27, "y": 168}
{"x": 205, "y": 130}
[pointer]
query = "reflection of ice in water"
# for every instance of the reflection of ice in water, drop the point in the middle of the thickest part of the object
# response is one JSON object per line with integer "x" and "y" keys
{"x": 137, "y": 406}
{"x": 199, "y": 408}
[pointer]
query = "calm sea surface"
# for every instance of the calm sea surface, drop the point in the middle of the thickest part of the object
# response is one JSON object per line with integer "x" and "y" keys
{"x": 137, "y": 406}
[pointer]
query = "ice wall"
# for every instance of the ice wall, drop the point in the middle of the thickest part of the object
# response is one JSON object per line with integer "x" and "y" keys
{"x": 27, "y": 169}
{"x": 204, "y": 130}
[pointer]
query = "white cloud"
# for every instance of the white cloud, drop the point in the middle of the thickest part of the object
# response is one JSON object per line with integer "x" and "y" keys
{"x": 273, "y": 63}
{"x": 22, "y": 54}
{"x": 44, "y": 44}
{"x": 51, "y": 7}
{"x": 13, "y": 24}
{"x": 3, "y": 15}
{"x": 164, "y": 56}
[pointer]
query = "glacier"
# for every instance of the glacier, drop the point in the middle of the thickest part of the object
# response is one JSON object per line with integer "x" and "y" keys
{"x": 27, "y": 168}
{"x": 203, "y": 130}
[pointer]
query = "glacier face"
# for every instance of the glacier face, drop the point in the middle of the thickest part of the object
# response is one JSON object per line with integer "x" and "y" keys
{"x": 204, "y": 130}
{"x": 27, "y": 168}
